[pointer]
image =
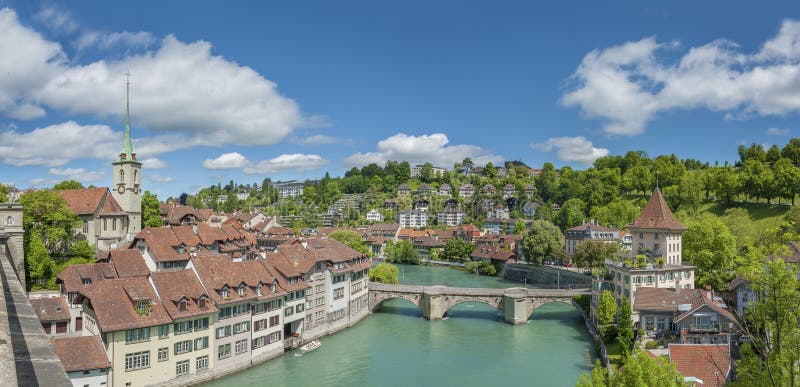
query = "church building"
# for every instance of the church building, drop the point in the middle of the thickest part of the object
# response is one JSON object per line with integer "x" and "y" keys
{"x": 112, "y": 218}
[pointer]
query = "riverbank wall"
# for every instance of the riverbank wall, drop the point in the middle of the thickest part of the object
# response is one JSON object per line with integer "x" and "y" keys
{"x": 545, "y": 276}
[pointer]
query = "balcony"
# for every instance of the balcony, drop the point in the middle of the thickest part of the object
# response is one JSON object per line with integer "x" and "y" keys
{"x": 704, "y": 328}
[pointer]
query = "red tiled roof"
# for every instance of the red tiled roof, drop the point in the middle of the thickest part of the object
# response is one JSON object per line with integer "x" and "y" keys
{"x": 83, "y": 201}
{"x": 129, "y": 263}
{"x": 174, "y": 286}
{"x": 113, "y": 301}
{"x": 51, "y": 309}
{"x": 73, "y": 276}
{"x": 162, "y": 243}
{"x": 493, "y": 253}
{"x": 710, "y": 363}
{"x": 657, "y": 215}
{"x": 218, "y": 271}
{"x": 82, "y": 353}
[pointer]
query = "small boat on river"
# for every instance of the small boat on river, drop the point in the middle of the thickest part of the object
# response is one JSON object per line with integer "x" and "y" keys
{"x": 310, "y": 346}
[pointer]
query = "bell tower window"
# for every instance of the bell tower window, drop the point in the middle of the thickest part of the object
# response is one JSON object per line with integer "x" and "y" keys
{"x": 121, "y": 176}
{"x": 135, "y": 173}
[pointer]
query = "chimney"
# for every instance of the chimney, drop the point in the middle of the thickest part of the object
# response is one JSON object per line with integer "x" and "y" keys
{"x": 709, "y": 292}
{"x": 194, "y": 228}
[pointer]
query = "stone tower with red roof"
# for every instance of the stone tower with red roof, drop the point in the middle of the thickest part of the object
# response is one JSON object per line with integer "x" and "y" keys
{"x": 656, "y": 232}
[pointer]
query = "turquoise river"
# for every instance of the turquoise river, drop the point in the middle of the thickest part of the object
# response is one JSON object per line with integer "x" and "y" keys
{"x": 395, "y": 346}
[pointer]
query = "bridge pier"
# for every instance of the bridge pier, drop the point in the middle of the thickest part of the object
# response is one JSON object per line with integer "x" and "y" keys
{"x": 515, "y": 306}
{"x": 432, "y": 305}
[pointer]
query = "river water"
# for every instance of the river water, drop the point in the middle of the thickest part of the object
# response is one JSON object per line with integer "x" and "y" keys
{"x": 395, "y": 346}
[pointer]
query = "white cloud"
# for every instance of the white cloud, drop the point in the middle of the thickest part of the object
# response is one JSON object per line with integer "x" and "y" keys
{"x": 627, "y": 85}
{"x": 56, "y": 145}
{"x": 778, "y": 132}
{"x": 58, "y": 20}
{"x": 79, "y": 174}
{"x": 226, "y": 161}
{"x": 27, "y": 70}
{"x": 297, "y": 161}
{"x": 431, "y": 148}
{"x": 572, "y": 149}
{"x": 159, "y": 178}
{"x": 180, "y": 89}
{"x": 153, "y": 163}
{"x": 104, "y": 41}
{"x": 317, "y": 139}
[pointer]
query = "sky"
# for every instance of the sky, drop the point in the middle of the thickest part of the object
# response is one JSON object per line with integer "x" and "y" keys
{"x": 290, "y": 90}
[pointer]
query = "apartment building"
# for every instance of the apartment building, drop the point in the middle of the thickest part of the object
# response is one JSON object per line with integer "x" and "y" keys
{"x": 412, "y": 219}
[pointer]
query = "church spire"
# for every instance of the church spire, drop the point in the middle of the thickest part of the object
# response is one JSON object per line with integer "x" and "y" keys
{"x": 126, "y": 154}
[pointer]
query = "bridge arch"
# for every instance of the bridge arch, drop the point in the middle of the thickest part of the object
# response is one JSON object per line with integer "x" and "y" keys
{"x": 377, "y": 299}
{"x": 535, "y": 304}
{"x": 495, "y": 303}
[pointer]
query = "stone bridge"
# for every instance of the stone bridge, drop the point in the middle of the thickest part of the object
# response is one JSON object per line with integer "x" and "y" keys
{"x": 516, "y": 304}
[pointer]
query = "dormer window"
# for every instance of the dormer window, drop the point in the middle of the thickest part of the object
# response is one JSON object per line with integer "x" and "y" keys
{"x": 86, "y": 281}
{"x": 240, "y": 290}
{"x": 224, "y": 292}
{"x": 258, "y": 289}
{"x": 183, "y": 305}
{"x": 202, "y": 303}
{"x": 274, "y": 287}
{"x": 143, "y": 308}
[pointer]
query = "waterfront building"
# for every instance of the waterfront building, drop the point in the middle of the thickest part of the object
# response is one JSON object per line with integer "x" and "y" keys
{"x": 233, "y": 289}
{"x": 694, "y": 316}
{"x": 656, "y": 232}
{"x": 588, "y": 231}
{"x": 424, "y": 245}
{"x": 192, "y": 313}
{"x": 412, "y": 219}
{"x": 76, "y": 278}
{"x": 84, "y": 358}
{"x": 493, "y": 254}
{"x": 127, "y": 314}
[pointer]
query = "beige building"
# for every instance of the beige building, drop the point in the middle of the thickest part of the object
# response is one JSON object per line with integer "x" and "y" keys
{"x": 11, "y": 234}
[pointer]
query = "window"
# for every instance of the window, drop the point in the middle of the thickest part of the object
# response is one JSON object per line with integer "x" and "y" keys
{"x": 240, "y": 290}
{"x": 319, "y": 301}
{"x": 258, "y": 289}
{"x": 224, "y": 351}
{"x": 143, "y": 307}
{"x": 137, "y": 360}
{"x": 288, "y": 311}
{"x": 182, "y": 327}
{"x": 201, "y": 303}
{"x": 183, "y": 347}
{"x": 105, "y": 224}
{"x": 241, "y": 346}
{"x": 224, "y": 313}
{"x": 241, "y": 327}
{"x": 319, "y": 288}
{"x": 656, "y": 247}
{"x": 299, "y": 308}
{"x": 258, "y": 342}
{"x": 163, "y": 354}
{"x": 114, "y": 224}
{"x": 202, "y": 363}
{"x": 163, "y": 331}
{"x": 182, "y": 367}
{"x": 224, "y": 293}
{"x": 274, "y": 320}
{"x": 137, "y": 335}
{"x": 223, "y": 331}
{"x": 183, "y": 305}
{"x": 274, "y": 304}
{"x": 273, "y": 337}
{"x": 85, "y": 227}
{"x": 201, "y": 324}
{"x": 319, "y": 315}
{"x": 135, "y": 173}
{"x": 201, "y": 343}
{"x": 338, "y": 293}
{"x": 121, "y": 176}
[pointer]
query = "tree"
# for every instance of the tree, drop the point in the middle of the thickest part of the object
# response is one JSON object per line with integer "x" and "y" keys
{"x": 151, "y": 213}
{"x": 792, "y": 151}
{"x": 385, "y": 273}
{"x": 3, "y": 194}
{"x": 456, "y": 249}
{"x": 546, "y": 182}
{"x": 401, "y": 252}
{"x": 607, "y": 308}
{"x": 490, "y": 172}
{"x": 619, "y": 213}
{"x": 231, "y": 202}
{"x": 625, "y": 333}
{"x": 787, "y": 178}
{"x": 643, "y": 370}
{"x": 725, "y": 183}
{"x": 482, "y": 267}
{"x": 351, "y": 239}
{"x": 572, "y": 213}
{"x": 82, "y": 250}
{"x": 638, "y": 179}
{"x": 519, "y": 227}
{"x": 709, "y": 245}
{"x": 771, "y": 321}
{"x": 593, "y": 253}
{"x": 543, "y": 241}
{"x": 426, "y": 173}
{"x": 39, "y": 265}
{"x": 68, "y": 184}
{"x": 597, "y": 378}
{"x": 182, "y": 199}
{"x": 46, "y": 213}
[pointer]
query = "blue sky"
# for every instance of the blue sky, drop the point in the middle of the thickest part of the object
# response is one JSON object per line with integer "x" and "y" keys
{"x": 293, "y": 89}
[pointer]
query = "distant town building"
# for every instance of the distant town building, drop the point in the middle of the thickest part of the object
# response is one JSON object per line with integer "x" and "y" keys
{"x": 412, "y": 219}
{"x": 416, "y": 171}
{"x": 403, "y": 189}
{"x": 451, "y": 216}
{"x": 289, "y": 189}
{"x": 588, "y": 231}
{"x": 374, "y": 216}
{"x": 466, "y": 190}
{"x": 444, "y": 190}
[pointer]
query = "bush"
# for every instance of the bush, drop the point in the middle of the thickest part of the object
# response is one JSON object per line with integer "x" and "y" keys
{"x": 384, "y": 273}
{"x": 609, "y": 332}
{"x": 583, "y": 301}
{"x": 650, "y": 345}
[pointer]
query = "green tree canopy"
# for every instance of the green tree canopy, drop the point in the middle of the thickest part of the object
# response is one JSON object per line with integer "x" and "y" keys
{"x": 593, "y": 253}
{"x": 46, "y": 213}
{"x": 351, "y": 239}
{"x": 607, "y": 308}
{"x": 543, "y": 241}
{"x": 456, "y": 249}
{"x": 68, "y": 184}
{"x": 401, "y": 252}
{"x": 709, "y": 245}
{"x": 151, "y": 213}
{"x": 385, "y": 273}
{"x": 625, "y": 334}
{"x": 572, "y": 213}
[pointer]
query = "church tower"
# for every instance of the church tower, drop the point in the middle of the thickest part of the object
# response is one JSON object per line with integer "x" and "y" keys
{"x": 127, "y": 188}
